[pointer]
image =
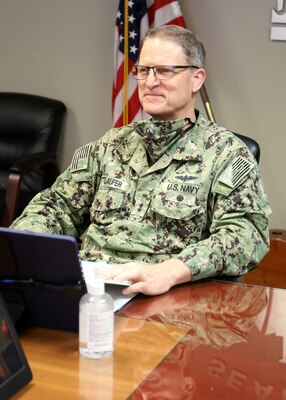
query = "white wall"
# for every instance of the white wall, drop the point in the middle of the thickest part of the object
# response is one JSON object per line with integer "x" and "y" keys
{"x": 64, "y": 49}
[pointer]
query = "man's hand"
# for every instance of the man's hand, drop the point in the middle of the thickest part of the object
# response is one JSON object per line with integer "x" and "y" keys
{"x": 150, "y": 279}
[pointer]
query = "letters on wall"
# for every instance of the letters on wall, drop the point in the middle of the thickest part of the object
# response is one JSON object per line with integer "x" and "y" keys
{"x": 278, "y": 21}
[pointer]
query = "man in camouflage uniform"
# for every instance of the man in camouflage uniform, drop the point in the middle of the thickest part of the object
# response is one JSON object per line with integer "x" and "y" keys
{"x": 168, "y": 200}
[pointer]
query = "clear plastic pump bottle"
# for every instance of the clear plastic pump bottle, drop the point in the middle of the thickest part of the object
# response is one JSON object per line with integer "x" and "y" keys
{"x": 96, "y": 321}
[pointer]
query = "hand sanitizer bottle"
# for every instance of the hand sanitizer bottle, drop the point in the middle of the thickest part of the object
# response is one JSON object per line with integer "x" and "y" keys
{"x": 96, "y": 321}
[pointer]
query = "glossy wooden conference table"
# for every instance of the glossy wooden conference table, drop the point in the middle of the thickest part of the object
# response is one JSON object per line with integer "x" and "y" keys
{"x": 207, "y": 340}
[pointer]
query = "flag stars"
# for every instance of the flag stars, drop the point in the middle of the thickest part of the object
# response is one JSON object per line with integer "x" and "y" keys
{"x": 133, "y": 49}
{"x": 119, "y": 15}
{"x": 132, "y": 34}
{"x": 130, "y": 3}
{"x": 131, "y": 19}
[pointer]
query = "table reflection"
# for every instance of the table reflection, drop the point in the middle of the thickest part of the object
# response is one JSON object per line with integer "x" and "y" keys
{"x": 226, "y": 354}
{"x": 139, "y": 348}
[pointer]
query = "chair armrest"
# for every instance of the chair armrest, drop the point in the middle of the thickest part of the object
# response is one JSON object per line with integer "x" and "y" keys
{"x": 17, "y": 171}
{"x": 28, "y": 163}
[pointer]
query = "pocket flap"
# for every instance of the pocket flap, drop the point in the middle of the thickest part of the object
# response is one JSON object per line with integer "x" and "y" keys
{"x": 176, "y": 206}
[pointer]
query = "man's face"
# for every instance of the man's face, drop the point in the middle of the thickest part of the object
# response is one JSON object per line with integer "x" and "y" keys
{"x": 167, "y": 99}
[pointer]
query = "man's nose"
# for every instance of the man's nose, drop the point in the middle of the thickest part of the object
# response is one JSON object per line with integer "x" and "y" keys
{"x": 152, "y": 78}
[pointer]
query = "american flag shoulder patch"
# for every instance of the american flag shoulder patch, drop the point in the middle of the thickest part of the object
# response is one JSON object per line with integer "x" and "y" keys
{"x": 236, "y": 172}
{"x": 80, "y": 159}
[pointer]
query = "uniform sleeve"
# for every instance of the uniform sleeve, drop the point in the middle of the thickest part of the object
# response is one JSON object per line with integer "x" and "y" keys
{"x": 239, "y": 216}
{"x": 64, "y": 208}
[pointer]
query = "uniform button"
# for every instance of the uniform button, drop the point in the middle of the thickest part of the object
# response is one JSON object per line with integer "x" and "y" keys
{"x": 180, "y": 197}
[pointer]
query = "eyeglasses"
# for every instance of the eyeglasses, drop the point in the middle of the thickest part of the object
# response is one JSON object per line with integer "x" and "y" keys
{"x": 160, "y": 71}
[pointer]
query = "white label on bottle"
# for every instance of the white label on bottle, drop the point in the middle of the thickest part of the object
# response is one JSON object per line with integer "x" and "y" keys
{"x": 100, "y": 331}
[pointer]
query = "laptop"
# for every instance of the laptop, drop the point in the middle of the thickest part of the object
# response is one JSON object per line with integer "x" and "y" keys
{"x": 42, "y": 279}
{"x": 15, "y": 372}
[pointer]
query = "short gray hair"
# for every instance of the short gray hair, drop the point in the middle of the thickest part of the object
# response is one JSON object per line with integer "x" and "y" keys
{"x": 193, "y": 49}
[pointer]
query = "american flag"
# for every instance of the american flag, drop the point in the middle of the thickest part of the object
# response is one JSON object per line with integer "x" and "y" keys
{"x": 134, "y": 17}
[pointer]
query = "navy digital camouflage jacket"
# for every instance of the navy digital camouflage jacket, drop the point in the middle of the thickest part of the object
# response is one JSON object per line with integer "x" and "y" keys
{"x": 151, "y": 191}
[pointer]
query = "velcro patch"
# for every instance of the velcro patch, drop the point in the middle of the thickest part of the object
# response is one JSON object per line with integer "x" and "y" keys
{"x": 235, "y": 172}
{"x": 80, "y": 159}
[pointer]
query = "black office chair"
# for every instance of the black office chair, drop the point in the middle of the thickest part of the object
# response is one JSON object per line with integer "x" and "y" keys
{"x": 251, "y": 144}
{"x": 30, "y": 128}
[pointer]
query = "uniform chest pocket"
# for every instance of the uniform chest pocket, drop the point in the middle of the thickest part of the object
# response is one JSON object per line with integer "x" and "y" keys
{"x": 180, "y": 216}
{"x": 177, "y": 206}
{"x": 107, "y": 205}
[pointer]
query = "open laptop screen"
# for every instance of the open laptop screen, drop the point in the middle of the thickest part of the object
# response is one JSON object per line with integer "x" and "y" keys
{"x": 42, "y": 279}
{"x": 15, "y": 372}
{"x": 44, "y": 271}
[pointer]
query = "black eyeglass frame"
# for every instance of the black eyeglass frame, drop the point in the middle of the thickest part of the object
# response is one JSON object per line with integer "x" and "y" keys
{"x": 171, "y": 67}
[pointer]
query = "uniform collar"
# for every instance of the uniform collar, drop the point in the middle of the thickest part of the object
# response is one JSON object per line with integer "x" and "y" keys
{"x": 188, "y": 147}
{"x": 160, "y": 137}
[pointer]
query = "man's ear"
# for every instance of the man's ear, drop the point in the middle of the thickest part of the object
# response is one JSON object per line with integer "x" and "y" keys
{"x": 199, "y": 76}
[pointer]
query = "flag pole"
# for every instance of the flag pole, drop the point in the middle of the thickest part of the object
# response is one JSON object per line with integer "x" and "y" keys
{"x": 126, "y": 61}
{"x": 207, "y": 104}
